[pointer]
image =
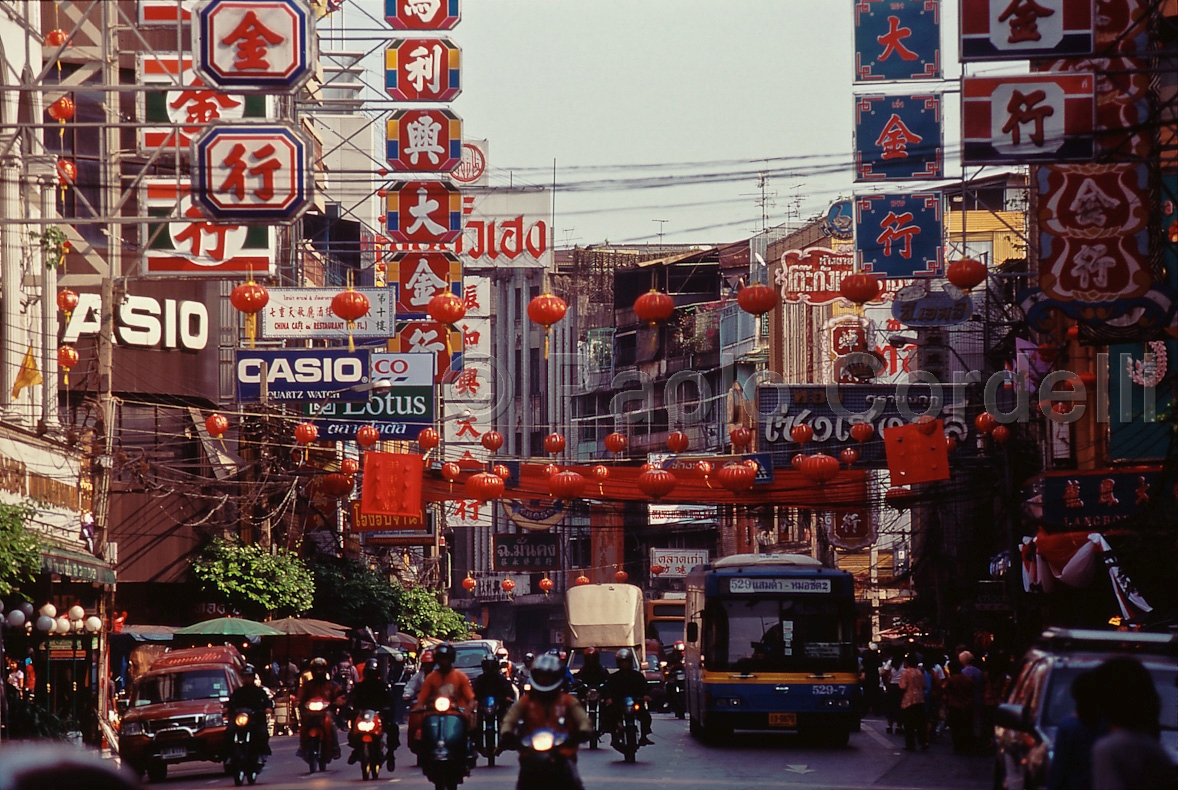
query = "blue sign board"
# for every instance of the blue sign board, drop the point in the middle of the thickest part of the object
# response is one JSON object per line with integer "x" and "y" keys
{"x": 897, "y": 40}
{"x": 399, "y": 413}
{"x": 839, "y": 222}
{"x": 899, "y": 236}
{"x": 319, "y": 374}
{"x": 1090, "y": 501}
{"x": 898, "y": 138}
{"x": 935, "y": 308}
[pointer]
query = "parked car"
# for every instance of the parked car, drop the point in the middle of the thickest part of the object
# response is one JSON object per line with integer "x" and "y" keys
{"x": 1040, "y": 696}
{"x": 469, "y": 655}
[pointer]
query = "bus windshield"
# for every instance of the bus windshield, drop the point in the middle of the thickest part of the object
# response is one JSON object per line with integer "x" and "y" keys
{"x": 779, "y": 635}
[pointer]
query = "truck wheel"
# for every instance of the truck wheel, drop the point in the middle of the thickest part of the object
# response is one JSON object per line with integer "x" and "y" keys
{"x": 157, "y": 771}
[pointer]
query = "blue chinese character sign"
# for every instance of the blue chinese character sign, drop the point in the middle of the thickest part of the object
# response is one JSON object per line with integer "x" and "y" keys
{"x": 899, "y": 236}
{"x": 898, "y": 138}
{"x": 897, "y": 40}
{"x": 1042, "y": 118}
{"x": 251, "y": 173}
{"x": 1021, "y": 29}
{"x": 254, "y": 45}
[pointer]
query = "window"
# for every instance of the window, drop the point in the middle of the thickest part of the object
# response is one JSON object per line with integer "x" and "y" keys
{"x": 518, "y": 306}
{"x": 780, "y": 635}
{"x": 181, "y": 686}
{"x": 518, "y": 373}
{"x": 535, "y": 379}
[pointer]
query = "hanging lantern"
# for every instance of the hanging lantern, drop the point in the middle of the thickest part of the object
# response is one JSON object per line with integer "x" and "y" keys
{"x": 67, "y": 172}
{"x": 501, "y": 471}
{"x": 599, "y": 472}
{"x": 657, "y": 569}
{"x": 677, "y": 442}
{"x": 615, "y": 443}
{"x": 621, "y": 577}
{"x": 67, "y": 300}
{"x": 849, "y": 456}
{"x": 349, "y": 466}
{"x": 654, "y": 307}
{"x": 966, "y": 273}
{"x": 703, "y": 468}
{"x": 337, "y": 485}
{"x": 451, "y": 471}
{"x": 428, "y": 439}
{"x": 492, "y": 440}
{"x": 216, "y": 424}
{"x": 566, "y": 484}
{"x": 554, "y": 443}
{"x": 950, "y": 443}
{"x": 350, "y": 305}
{"x": 367, "y": 436}
{"x": 741, "y": 437}
{"x": 62, "y": 110}
{"x": 581, "y": 580}
{"x": 657, "y": 483}
{"x": 446, "y": 308}
{"x": 250, "y": 298}
{"x": 926, "y": 424}
{"x": 469, "y": 583}
{"x": 900, "y": 498}
{"x": 797, "y": 461}
{"x": 1074, "y": 332}
{"x": 546, "y": 309}
{"x": 67, "y": 357}
{"x": 801, "y": 433}
{"x": 550, "y": 470}
{"x": 56, "y": 38}
{"x": 985, "y": 422}
{"x": 736, "y": 477}
{"x": 1000, "y": 434}
{"x": 507, "y": 585}
{"x": 820, "y": 467}
{"x": 306, "y": 432}
{"x": 484, "y": 486}
{"x": 860, "y": 288}
{"x": 757, "y": 299}
{"x": 546, "y": 585}
{"x": 862, "y": 431}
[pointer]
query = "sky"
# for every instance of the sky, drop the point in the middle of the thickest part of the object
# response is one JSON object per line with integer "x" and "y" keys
{"x": 659, "y": 109}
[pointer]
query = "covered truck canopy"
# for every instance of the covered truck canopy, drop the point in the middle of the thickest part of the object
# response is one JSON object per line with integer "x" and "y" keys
{"x": 605, "y": 615}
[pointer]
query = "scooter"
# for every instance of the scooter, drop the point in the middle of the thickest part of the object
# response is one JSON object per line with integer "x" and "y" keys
{"x": 591, "y": 701}
{"x": 488, "y": 727}
{"x": 626, "y": 740}
{"x": 541, "y": 764}
{"x": 365, "y": 737}
{"x": 244, "y": 761}
{"x": 317, "y": 734}
{"x": 677, "y": 692}
{"x": 444, "y": 745}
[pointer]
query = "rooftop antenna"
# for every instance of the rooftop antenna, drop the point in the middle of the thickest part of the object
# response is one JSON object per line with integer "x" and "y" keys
{"x": 661, "y": 222}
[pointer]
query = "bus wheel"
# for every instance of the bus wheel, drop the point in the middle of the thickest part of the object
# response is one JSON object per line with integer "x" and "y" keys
{"x": 693, "y": 727}
{"x": 715, "y": 735}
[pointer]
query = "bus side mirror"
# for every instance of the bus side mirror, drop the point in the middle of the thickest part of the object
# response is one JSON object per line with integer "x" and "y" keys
{"x": 693, "y": 632}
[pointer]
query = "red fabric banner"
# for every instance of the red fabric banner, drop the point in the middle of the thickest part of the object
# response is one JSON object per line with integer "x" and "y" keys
{"x": 392, "y": 484}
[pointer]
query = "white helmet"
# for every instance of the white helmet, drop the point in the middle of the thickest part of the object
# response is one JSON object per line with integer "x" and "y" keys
{"x": 547, "y": 673}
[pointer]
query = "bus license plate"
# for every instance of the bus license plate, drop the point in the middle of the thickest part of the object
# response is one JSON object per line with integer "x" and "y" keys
{"x": 783, "y": 720}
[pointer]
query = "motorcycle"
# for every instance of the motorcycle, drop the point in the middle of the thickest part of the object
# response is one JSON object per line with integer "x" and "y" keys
{"x": 626, "y": 734}
{"x": 677, "y": 691}
{"x": 244, "y": 760}
{"x": 317, "y": 734}
{"x": 541, "y": 764}
{"x": 444, "y": 744}
{"x": 365, "y": 738}
{"x": 488, "y": 727}
{"x": 590, "y": 697}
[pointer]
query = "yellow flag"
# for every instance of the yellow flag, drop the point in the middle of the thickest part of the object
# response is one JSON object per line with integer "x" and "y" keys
{"x": 28, "y": 376}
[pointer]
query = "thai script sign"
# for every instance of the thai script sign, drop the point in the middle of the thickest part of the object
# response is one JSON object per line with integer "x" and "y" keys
{"x": 752, "y": 585}
{"x": 533, "y": 551}
{"x": 677, "y": 563}
{"x": 506, "y": 227}
{"x": 815, "y": 275}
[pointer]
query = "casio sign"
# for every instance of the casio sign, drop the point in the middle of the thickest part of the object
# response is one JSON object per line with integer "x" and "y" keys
{"x": 303, "y": 370}
{"x": 142, "y": 322}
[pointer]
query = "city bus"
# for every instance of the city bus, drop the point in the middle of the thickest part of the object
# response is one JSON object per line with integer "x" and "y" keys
{"x": 664, "y": 620}
{"x": 770, "y": 646}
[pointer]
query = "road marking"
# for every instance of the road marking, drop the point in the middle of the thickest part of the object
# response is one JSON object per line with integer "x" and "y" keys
{"x": 880, "y": 739}
{"x": 799, "y": 769}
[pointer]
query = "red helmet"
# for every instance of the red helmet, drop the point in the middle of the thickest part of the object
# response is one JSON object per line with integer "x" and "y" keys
{"x": 591, "y": 651}
{"x": 680, "y": 646}
{"x": 427, "y": 657}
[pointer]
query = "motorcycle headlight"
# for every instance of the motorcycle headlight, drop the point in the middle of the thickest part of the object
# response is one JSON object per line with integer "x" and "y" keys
{"x": 592, "y": 695}
{"x": 216, "y": 720}
{"x": 442, "y": 704}
{"x": 365, "y": 726}
{"x": 132, "y": 728}
{"x": 316, "y": 705}
{"x": 542, "y": 740}
{"x": 241, "y": 720}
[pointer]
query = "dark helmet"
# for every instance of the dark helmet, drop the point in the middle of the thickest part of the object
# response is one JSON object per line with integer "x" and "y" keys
{"x": 490, "y": 665}
{"x": 529, "y": 658}
{"x": 319, "y": 668}
{"x": 547, "y": 673}
{"x": 625, "y": 656}
{"x": 371, "y": 665}
{"x": 445, "y": 650}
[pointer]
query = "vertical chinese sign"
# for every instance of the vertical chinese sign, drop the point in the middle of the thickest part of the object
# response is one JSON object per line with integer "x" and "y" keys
{"x": 899, "y": 236}
{"x": 897, "y": 40}
{"x": 898, "y": 138}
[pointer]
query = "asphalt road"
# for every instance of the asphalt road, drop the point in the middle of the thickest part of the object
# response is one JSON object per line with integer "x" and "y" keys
{"x": 873, "y": 759}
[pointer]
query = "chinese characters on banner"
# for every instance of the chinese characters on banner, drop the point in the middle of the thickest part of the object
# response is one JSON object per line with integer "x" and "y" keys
{"x": 1031, "y": 118}
{"x": 424, "y": 212}
{"x": 899, "y": 236}
{"x": 852, "y": 527}
{"x": 430, "y": 337}
{"x": 423, "y": 70}
{"x": 420, "y": 276}
{"x": 422, "y": 14}
{"x": 423, "y": 141}
{"x": 305, "y": 314}
{"x": 255, "y": 45}
{"x": 245, "y": 173}
{"x": 468, "y": 391}
{"x": 897, "y": 40}
{"x": 898, "y": 138}
{"x": 842, "y": 335}
{"x": 1020, "y": 29}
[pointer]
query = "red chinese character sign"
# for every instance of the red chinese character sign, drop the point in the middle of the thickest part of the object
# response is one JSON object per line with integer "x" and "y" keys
{"x": 251, "y": 173}
{"x": 423, "y": 14}
{"x": 255, "y": 45}
{"x": 899, "y": 236}
{"x": 897, "y": 40}
{"x": 898, "y": 138}
{"x": 424, "y": 141}
{"x": 423, "y": 69}
{"x": 1039, "y": 118}
{"x": 1021, "y": 29}
{"x": 430, "y": 337}
{"x": 420, "y": 276}
{"x": 424, "y": 212}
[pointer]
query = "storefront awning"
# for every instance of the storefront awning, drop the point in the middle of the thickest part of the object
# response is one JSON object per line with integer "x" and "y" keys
{"x": 78, "y": 566}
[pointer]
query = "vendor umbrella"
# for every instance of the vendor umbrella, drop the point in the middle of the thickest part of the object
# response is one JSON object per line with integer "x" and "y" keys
{"x": 309, "y": 626}
{"x": 228, "y": 626}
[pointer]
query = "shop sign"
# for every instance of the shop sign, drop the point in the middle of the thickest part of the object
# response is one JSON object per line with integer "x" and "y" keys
{"x": 305, "y": 313}
{"x": 897, "y": 40}
{"x": 183, "y": 105}
{"x": 422, "y": 14}
{"x": 430, "y": 337}
{"x": 658, "y": 514}
{"x": 420, "y": 276}
{"x": 474, "y": 164}
{"x": 423, "y": 212}
{"x": 933, "y": 308}
{"x": 423, "y": 141}
{"x": 423, "y": 69}
{"x": 143, "y": 322}
{"x": 677, "y": 562}
{"x": 506, "y": 228}
{"x": 899, "y": 235}
{"x": 370, "y": 522}
{"x": 536, "y": 514}
{"x": 252, "y": 173}
{"x": 301, "y": 374}
{"x": 530, "y": 551}
{"x": 255, "y": 45}
{"x": 898, "y": 138}
{"x": 490, "y": 587}
{"x": 1005, "y": 30}
{"x": 815, "y": 275}
{"x": 1040, "y": 118}
{"x": 851, "y": 527}
{"x": 398, "y": 413}
{"x": 1078, "y": 501}
{"x": 685, "y": 464}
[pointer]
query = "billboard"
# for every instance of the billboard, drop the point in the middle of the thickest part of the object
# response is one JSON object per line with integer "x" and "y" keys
{"x": 301, "y": 374}
{"x": 305, "y": 314}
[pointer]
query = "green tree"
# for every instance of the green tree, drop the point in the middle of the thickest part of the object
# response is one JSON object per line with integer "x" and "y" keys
{"x": 254, "y": 581}
{"x": 20, "y": 551}
{"x": 349, "y": 592}
{"x": 422, "y": 614}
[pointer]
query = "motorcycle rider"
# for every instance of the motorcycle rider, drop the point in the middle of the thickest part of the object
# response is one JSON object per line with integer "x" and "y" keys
{"x": 525, "y": 674}
{"x": 493, "y": 684}
{"x": 413, "y": 687}
{"x": 592, "y": 674}
{"x": 254, "y": 698}
{"x": 445, "y": 675}
{"x": 627, "y": 682}
{"x": 372, "y": 693}
{"x": 563, "y": 657}
{"x": 546, "y": 706}
{"x": 320, "y": 685}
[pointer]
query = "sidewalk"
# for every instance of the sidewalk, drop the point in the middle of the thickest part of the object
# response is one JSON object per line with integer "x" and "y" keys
{"x": 938, "y": 768}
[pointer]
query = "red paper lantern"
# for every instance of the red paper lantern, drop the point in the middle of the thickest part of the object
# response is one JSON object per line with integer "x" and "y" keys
{"x": 1000, "y": 434}
{"x": 862, "y": 431}
{"x": 653, "y": 307}
{"x": 820, "y": 467}
{"x": 736, "y": 477}
{"x": 985, "y": 422}
{"x": 600, "y": 472}
{"x": 67, "y": 300}
{"x": 62, "y": 110}
{"x": 849, "y": 456}
{"x": 56, "y": 38}
{"x": 741, "y": 437}
{"x": 926, "y": 424}
{"x": 250, "y": 298}
{"x": 337, "y": 485}
{"x": 492, "y": 440}
{"x": 350, "y": 305}
{"x": 621, "y": 577}
{"x": 950, "y": 443}
{"x": 757, "y": 299}
{"x": 484, "y": 486}
{"x": 797, "y": 461}
{"x": 546, "y": 585}
{"x": 451, "y": 471}
{"x": 657, "y": 483}
{"x": 67, "y": 357}
{"x": 703, "y": 468}
{"x": 367, "y": 436}
{"x": 550, "y": 469}
{"x": 446, "y": 308}
{"x": 554, "y": 443}
{"x": 966, "y": 273}
{"x": 1074, "y": 332}
{"x": 677, "y": 442}
{"x": 349, "y": 466}
{"x": 566, "y": 484}
{"x": 306, "y": 432}
{"x": 615, "y": 443}
{"x": 428, "y": 439}
{"x": 508, "y": 585}
{"x": 801, "y": 433}
{"x": 501, "y": 471}
{"x": 860, "y": 288}
{"x": 67, "y": 172}
{"x": 216, "y": 424}
{"x": 469, "y": 584}
{"x": 900, "y": 498}
{"x": 581, "y": 580}
{"x": 657, "y": 569}
{"x": 546, "y": 309}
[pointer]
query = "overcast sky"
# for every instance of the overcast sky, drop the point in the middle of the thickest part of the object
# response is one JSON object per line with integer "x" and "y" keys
{"x": 636, "y": 99}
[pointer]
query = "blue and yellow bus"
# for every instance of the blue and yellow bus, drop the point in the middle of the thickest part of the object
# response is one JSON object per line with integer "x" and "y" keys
{"x": 771, "y": 646}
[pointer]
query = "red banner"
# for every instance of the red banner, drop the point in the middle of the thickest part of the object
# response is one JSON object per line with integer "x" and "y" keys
{"x": 392, "y": 485}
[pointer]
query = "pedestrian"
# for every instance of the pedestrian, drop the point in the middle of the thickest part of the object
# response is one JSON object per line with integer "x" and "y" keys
{"x": 16, "y": 676}
{"x": 912, "y": 683}
{"x": 871, "y": 685}
{"x": 978, "y": 678}
{"x": 959, "y": 708}
{"x": 1129, "y": 757}
{"x": 934, "y": 680}
{"x": 892, "y": 693}
{"x": 1071, "y": 761}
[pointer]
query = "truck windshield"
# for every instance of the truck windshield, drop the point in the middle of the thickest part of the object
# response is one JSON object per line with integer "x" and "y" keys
{"x": 779, "y": 635}
{"x": 180, "y": 686}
